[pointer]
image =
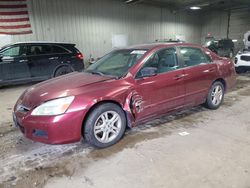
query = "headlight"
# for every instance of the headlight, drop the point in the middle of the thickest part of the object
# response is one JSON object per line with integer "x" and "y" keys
{"x": 53, "y": 107}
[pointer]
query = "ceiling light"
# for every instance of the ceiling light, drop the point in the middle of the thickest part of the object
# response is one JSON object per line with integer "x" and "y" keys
{"x": 195, "y": 8}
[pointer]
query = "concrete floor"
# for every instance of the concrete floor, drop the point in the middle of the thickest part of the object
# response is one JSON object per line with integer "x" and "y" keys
{"x": 214, "y": 152}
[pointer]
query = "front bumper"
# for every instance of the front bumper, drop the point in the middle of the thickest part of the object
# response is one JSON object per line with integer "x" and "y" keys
{"x": 238, "y": 62}
{"x": 238, "y": 68}
{"x": 61, "y": 129}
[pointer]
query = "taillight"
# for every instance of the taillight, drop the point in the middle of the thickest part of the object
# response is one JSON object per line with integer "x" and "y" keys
{"x": 79, "y": 56}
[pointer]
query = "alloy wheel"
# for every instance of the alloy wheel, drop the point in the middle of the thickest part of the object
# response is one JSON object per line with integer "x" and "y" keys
{"x": 217, "y": 95}
{"x": 107, "y": 126}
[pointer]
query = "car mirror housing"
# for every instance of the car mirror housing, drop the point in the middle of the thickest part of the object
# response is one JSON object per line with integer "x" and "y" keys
{"x": 148, "y": 71}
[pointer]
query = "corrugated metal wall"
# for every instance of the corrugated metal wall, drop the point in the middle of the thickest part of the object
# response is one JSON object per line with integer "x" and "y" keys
{"x": 91, "y": 23}
{"x": 239, "y": 25}
{"x": 216, "y": 23}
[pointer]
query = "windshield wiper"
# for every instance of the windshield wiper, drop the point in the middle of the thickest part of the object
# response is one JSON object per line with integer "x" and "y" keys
{"x": 96, "y": 72}
{"x": 101, "y": 73}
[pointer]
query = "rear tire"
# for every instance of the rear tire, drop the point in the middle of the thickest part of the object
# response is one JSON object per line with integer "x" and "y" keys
{"x": 62, "y": 71}
{"x": 215, "y": 96}
{"x": 105, "y": 125}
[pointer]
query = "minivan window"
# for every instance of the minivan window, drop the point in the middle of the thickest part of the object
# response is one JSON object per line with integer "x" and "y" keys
{"x": 38, "y": 50}
{"x": 12, "y": 52}
{"x": 193, "y": 56}
{"x": 58, "y": 50}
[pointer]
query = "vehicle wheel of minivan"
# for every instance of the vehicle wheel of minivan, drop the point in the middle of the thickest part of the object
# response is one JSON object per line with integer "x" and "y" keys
{"x": 63, "y": 70}
{"x": 215, "y": 95}
{"x": 105, "y": 125}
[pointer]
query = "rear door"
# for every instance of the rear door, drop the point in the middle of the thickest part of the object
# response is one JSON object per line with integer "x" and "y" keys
{"x": 199, "y": 72}
{"x": 60, "y": 55}
{"x": 163, "y": 92}
{"x": 14, "y": 64}
{"x": 73, "y": 57}
{"x": 40, "y": 56}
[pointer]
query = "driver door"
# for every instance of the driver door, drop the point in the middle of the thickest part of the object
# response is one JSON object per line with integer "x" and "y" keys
{"x": 14, "y": 64}
{"x": 163, "y": 91}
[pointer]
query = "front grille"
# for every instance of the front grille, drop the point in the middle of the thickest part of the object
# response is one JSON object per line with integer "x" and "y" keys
{"x": 245, "y": 58}
{"x": 22, "y": 108}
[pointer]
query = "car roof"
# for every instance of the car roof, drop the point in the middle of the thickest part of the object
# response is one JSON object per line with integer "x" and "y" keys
{"x": 161, "y": 44}
{"x": 38, "y": 42}
{"x": 42, "y": 42}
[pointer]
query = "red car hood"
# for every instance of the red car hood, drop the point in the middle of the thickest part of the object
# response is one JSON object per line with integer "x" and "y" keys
{"x": 58, "y": 87}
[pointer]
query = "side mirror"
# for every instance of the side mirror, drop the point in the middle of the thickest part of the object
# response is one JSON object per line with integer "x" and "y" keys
{"x": 148, "y": 71}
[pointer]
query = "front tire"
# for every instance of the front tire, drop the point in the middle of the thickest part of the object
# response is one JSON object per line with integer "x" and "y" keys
{"x": 105, "y": 125}
{"x": 215, "y": 95}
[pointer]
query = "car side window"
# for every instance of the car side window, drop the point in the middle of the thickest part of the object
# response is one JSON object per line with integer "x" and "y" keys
{"x": 38, "y": 50}
{"x": 193, "y": 56}
{"x": 12, "y": 52}
{"x": 207, "y": 56}
{"x": 164, "y": 61}
{"x": 58, "y": 50}
{"x": 167, "y": 60}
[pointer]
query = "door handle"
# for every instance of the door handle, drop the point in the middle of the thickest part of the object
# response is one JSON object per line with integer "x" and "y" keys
{"x": 179, "y": 76}
{"x": 209, "y": 70}
{"x": 23, "y": 61}
{"x": 212, "y": 69}
{"x": 53, "y": 58}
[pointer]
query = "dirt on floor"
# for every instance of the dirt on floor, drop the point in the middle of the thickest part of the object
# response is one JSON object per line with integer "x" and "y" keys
{"x": 192, "y": 148}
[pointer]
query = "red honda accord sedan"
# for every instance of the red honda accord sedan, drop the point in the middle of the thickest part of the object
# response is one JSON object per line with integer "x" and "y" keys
{"x": 125, "y": 87}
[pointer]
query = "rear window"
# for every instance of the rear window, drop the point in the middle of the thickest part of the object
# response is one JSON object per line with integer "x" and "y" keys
{"x": 225, "y": 43}
{"x": 193, "y": 56}
{"x": 70, "y": 48}
{"x": 58, "y": 50}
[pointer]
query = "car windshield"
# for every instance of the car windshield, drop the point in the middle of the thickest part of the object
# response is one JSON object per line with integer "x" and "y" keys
{"x": 116, "y": 63}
